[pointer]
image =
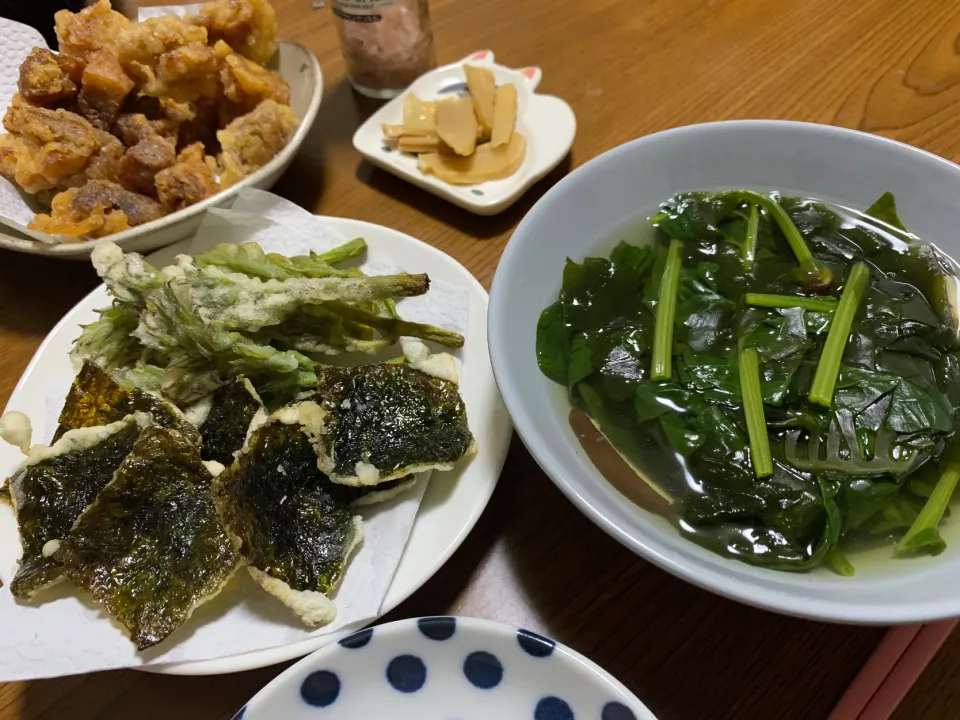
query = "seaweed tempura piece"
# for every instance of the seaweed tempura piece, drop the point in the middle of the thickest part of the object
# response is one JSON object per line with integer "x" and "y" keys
{"x": 224, "y": 431}
{"x": 96, "y": 398}
{"x": 54, "y": 485}
{"x": 288, "y": 520}
{"x": 150, "y": 548}
{"x": 386, "y": 421}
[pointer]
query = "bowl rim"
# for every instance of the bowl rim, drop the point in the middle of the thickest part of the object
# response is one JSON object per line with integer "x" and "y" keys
{"x": 82, "y": 249}
{"x": 754, "y": 593}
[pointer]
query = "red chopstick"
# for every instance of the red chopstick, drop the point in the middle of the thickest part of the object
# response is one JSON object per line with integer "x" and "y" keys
{"x": 891, "y": 671}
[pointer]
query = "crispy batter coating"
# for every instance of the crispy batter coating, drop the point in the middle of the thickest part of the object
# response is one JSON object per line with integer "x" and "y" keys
{"x": 185, "y": 74}
{"x": 43, "y": 81}
{"x": 104, "y": 87}
{"x": 90, "y": 30}
{"x": 140, "y": 46}
{"x": 189, "y": 181}
{"x": 246, "y": 84}
{"x": 250, "y": 26}
{"x": 144, "y": 160}
{"x": 252, "y": 140}
{"x": 97, "y": 209}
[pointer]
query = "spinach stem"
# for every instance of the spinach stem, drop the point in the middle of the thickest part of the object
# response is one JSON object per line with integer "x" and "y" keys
{"x": 838, "y": 561}
{"x": 749, "y": 363}
{"x": 932, "y": 512}
{"x": 825, "y": 379}
{"x": 666, "y": 311}
{"x": 790, "y": 301}
{"x": 782, "y": 218}
{"x": 750, "y": 244}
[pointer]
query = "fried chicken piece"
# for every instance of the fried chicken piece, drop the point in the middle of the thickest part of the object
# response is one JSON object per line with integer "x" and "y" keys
{"x": 53, "y": 146}
{"x": 103, "y": 164}
{"x": 185, "y": 74}
{"x": 250, "y": 26}
{"x": 140, "y": 46}
{"x": 246, "y": 84}
{"x": 103, "y": 89}
{"x": 97, "y": 209}
{"x": 252, "y": 140}
{"x": 92, "y": 29}
{"x": 144, "y": 159}
{"x": 202, "y": 127}
{"x": 44, "y": 80}
{"x": 189, "y": 181}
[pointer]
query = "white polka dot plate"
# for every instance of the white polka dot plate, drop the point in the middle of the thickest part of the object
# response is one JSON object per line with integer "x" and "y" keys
{"x": 547, "y": 123}
{"x": 445, "y": 668}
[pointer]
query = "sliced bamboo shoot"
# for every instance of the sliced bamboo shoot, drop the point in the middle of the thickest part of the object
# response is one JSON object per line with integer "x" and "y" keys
{"x": 419, "y": 114}
{"x": 482, "y": 85}
{"x": 425, "y": 144}
{"x": 487, "y": 163}
{"x": 457, "y": 125}
{"x": 504, "y": 115}
{"x": 397, "y": 131}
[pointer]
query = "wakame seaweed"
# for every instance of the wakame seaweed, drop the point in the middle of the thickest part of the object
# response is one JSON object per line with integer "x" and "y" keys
{"x": 859, "y": 423}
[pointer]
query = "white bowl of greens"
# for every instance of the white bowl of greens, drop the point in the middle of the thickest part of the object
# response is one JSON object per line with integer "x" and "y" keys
{"x": 733, "y": 346}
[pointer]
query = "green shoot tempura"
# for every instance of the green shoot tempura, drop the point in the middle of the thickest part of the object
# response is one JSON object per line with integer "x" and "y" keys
{"x": 827, "y": 304}
{"x": 661, "y": 368}
{"x": 825, "y": 379}
{"x": 753, "y": 409}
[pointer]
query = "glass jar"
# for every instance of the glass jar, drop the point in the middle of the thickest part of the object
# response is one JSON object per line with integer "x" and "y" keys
{"x": 387, "y": 44}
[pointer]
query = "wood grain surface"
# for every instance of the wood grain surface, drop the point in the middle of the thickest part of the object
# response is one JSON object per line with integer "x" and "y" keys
{"x": 628, "y": 68}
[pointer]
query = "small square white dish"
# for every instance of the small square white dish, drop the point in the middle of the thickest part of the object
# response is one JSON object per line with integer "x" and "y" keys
{"x": 547, "y": 123}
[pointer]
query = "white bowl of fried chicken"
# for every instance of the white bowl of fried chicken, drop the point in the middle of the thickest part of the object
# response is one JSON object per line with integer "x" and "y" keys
{"x": 134, "y": 129}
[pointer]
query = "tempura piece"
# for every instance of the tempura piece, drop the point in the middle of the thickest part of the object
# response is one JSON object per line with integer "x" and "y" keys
{"x": 97, "y": 209}
{"x": 190, "y": 180}
{"x": 54, "y": 145}
{"x": 224, "y": 430}
{"x": 103, "y": 89}
{"x": 54, "y": 485}
{"x": 251, "y": 141}
{"x": 150, "y": 548}
{"x": 285, "y": 516}
{"x": 90, "y": 30}
{"x": 150, "y": 154}
{"x": 249, "y": 26}
{"x": 96, "y": 398}
{"x": 140, "y": 45}
{"x": 185, "y": 74}
{"x": 43, "y": 80}
{"x": 386, "y": 421}
{"x": 246, "y": 84}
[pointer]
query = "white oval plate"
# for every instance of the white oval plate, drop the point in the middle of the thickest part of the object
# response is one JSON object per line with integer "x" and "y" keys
{"x": 443, "y": 667}
{"x": 546, "y": 122}
{"x": 300, "y": 68}
{"x": 448, "y": 511}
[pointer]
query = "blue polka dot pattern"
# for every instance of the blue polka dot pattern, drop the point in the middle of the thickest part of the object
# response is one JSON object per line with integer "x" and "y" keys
{"x": 406, "y": 673}
{"x": 483, "y": 670}
{"x": 320, "y": 688}
{"x": 617, "y": 711}
{"x": 437, "y": 628}
{"x": 552, "y": 708}
{"x": 534, "y": 644}
{"x": 240, "y": 712}
{"x": 358, "y": 640}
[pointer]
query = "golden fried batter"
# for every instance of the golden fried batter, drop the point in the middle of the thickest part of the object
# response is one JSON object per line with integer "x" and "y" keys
{"x": 185, "y": 74}
{"x": 189, "y": 181}
{"x": 144, "y": 159}
{"x": 140, "y": 46}
{"x": 104, "y": 87}
{"x": 246, "y": 84}
{"x": 43, "y": 81}
{"x": 97, "y": 209}
{"x": 249, "y": 26}
{"x": 54, "y": 145}
{"x": 90, "y": 30}
{"x": 252, "y": 140}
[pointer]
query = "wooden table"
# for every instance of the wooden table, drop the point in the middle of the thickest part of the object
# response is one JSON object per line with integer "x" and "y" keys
{"x": 628, "y": 68}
